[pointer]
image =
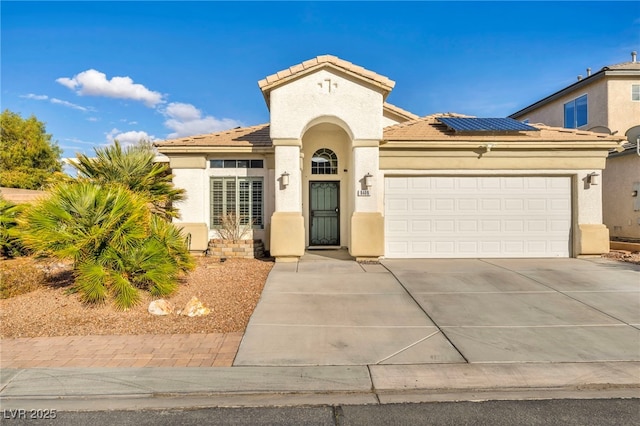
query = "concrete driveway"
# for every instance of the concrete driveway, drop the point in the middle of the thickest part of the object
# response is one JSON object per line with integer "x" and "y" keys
{"x": 329, "y": 310}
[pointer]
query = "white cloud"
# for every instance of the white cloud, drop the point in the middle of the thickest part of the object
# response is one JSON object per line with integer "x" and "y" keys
{"x": 57, "y": 101}
{"x": 186, "y": 120}
{"x": 68, "y": 104}
{"x": 36, "y": 97}
{"x": 95, "y": 83}
{"x": 128, "y": 138}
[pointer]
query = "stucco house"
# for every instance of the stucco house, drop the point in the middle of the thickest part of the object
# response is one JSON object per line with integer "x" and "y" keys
{"x": 338, "y": 166}
{"x": 608, "y": 102}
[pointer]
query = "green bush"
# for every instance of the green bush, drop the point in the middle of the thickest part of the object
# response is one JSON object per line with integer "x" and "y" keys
{"x": 117, "y": 245}
{"x": 10, "y": 243}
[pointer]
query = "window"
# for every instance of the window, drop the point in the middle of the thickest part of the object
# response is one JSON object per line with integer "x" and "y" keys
{"x": 324, "y": 162}
{"x": 575, "y": 113}
{"x": 242, "y": 196}
{"x": 236, "y": 164}
{"x": 635, "y": 92}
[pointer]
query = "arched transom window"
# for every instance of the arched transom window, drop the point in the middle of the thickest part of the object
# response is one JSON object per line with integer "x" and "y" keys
{"x": 324, "y": 162}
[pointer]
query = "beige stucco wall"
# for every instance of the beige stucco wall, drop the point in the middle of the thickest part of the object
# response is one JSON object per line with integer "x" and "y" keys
{"x": 618, "y": 181}
{"x": 324, "y": 109}
{"x": 552, "y": 114}
{"x": 623, "y": 112}
{"x": 609, "y": 105}
{"x": 497, "y": 159}
{"x": 296, "y": 106}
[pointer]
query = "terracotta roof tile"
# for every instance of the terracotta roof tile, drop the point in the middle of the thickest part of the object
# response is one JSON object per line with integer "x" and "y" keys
{"x": 631, "y": 66}
{"x": 399, "y": 111}
{"x": 273, "y": 80}
{"x": 254, "y": 136}
{"x": 428, "y": 128}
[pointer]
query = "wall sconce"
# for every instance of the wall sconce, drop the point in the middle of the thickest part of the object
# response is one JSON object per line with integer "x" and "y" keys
{"x": 367, "y": 180}
{"x": 593, "y": 178}
{"x": 488, "y": 147}
{"x": 634, "y": 193}
{"x": 284, "y": 179}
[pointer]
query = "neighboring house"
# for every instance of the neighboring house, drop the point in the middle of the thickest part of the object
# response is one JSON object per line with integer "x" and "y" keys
{"x": 337, "y": 166}
{"x": 608, "y": 102}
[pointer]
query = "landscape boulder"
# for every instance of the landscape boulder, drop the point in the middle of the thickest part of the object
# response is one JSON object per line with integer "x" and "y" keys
{"x": 160, "y": 307}
{"x": 195, "y": 308}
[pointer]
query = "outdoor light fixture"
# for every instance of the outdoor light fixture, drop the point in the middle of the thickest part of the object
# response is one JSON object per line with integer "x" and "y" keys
{"x": 488, "y": 147}
{"x": 593, "y": 178}
{"x": 284, "y": 179}
{"x": 367, "y": 180}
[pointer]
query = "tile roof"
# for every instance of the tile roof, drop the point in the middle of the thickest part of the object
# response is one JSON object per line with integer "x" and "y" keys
{"x": 399, "y": 111}
{"x": 624, "y": 66}
{"x": 254, "y": 136}
{"x": 295, "y": 71}
{"x": 424, "y": 129}
{"x": 626, "y": 148}
{"x": 428, "y": 128}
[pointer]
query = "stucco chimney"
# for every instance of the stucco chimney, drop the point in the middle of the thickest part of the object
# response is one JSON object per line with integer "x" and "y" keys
{"x": 633, "y": 56}
{"x": 588, "y": 72}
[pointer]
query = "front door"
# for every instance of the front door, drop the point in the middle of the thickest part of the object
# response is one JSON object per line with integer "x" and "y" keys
{"x": 324, "y": 204}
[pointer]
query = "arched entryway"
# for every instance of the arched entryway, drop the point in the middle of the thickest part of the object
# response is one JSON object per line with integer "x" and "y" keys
{"x": 326, "y": 209}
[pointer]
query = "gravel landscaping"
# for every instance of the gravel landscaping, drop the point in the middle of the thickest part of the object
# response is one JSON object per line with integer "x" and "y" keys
{"x": 229, "y": 289}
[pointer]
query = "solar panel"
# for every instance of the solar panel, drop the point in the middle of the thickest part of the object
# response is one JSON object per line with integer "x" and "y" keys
{"x": 467, "y": 124}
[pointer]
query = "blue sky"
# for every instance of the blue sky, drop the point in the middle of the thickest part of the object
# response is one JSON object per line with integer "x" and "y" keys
{"x": 94, "y": 71}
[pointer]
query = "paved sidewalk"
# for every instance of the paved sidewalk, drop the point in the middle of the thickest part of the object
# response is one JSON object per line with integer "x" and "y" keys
{"x": 176, "y": 350}
{"x": 96, "y": 389}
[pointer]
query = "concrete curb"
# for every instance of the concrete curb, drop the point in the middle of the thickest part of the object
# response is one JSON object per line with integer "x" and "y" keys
{"x": 73, "y": 389}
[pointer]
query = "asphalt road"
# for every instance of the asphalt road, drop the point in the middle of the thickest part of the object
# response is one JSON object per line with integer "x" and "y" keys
{"x": 619, "y": 412}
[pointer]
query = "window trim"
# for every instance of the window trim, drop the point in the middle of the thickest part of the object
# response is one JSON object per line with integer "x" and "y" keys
{"x": 332, "y": 160}
{"x": 637, "y": 92}
{"x": 235, "y": 163}
{"x": 574, "y": 104}
{"x": 236, "y": 198}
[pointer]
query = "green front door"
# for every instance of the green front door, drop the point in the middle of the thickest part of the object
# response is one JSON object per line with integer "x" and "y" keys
{"x": 324, "y": 213}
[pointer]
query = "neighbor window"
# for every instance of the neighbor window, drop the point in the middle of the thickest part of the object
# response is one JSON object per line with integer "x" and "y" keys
{"x": 635, "y": 92}
{"x": 236, "y": 164}
{"x": 242, "y": 196}
{"x": 575, "y": 113}
{"x": 324, "y": 162}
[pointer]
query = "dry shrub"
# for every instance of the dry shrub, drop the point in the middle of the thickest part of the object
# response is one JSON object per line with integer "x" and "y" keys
{"x": 26, "y": 274}
{"x": 19, "y": 276}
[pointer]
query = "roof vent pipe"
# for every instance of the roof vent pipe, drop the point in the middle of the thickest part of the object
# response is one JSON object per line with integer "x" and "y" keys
{"x": 579, "y": 77}
{"x": 588, "y": 72}
{"x": 633, "y": 56}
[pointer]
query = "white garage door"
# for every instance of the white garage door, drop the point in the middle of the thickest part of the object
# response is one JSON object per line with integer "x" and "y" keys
{"x": 491, "y": 216}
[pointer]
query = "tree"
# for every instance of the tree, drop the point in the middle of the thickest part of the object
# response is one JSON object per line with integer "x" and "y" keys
{"x": 117, "y": 245}
{"x": 133, "y": 167}
{"x": 28, "y": 157}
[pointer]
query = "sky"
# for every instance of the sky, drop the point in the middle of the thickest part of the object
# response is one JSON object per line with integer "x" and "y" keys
{"x": 99, "y": 71}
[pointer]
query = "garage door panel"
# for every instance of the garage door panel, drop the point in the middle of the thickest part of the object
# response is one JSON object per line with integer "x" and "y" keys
{"x": 478, "y": 216}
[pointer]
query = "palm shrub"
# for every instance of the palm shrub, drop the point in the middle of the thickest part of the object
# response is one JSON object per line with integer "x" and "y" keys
{"x": 10, "y": 243}
{"x": 117, "y": 245}
{"x": 133, "y": 167}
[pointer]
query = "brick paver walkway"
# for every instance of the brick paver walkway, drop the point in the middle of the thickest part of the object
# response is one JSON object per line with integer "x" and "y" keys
{"x": 176, "y": 350}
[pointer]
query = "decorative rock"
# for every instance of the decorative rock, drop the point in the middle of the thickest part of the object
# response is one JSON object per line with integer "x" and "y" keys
{"x": 195, "y": 308}
{"x": 160, "y": 307}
